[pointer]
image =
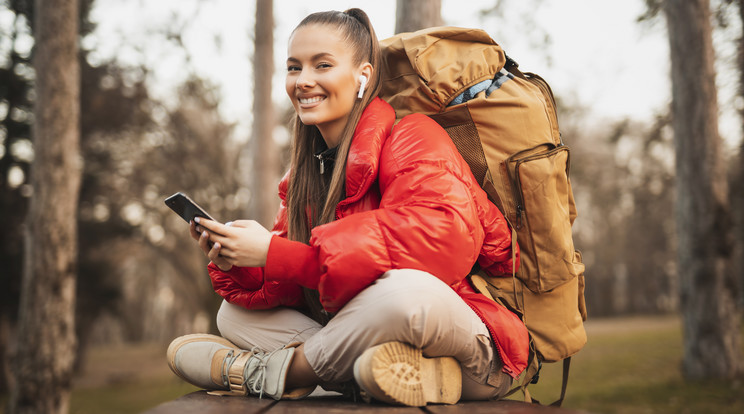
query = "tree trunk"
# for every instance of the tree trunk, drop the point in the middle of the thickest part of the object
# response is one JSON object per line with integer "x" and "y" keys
{"x": 737, "y": 183}
{"x": 265, "y": 174}
{"x": 46, "y": 334}
{"x": 711, "y": 323}
{"x": 412, "y": 15}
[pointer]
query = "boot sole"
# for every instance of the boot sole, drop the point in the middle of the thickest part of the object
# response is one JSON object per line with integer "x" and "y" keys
{"x": 183, "y": 340}
{"x": 398, "y": 373}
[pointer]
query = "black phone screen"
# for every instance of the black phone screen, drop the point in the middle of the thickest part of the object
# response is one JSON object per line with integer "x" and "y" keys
{"x": 185, "y": 207}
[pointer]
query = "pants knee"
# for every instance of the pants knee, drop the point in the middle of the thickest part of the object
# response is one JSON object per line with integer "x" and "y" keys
{"x": 407, "y": 299}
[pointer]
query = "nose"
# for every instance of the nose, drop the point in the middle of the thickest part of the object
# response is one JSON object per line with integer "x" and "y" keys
{"x": 304, "y": 80}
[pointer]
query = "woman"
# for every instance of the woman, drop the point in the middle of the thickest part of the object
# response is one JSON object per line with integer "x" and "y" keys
{"x": 364, "y": 274}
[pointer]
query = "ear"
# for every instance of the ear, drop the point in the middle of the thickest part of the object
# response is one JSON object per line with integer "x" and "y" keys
{"x": 366, "y": 70}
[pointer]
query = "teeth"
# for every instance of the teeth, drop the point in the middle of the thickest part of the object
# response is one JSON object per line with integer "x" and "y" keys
{"x": 311, "y": 100}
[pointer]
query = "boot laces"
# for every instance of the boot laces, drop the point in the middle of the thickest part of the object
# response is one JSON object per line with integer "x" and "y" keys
{"x": 253, "y": 372}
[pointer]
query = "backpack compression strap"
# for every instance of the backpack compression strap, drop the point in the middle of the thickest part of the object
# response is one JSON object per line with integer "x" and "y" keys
{"x": 533, "y": 369}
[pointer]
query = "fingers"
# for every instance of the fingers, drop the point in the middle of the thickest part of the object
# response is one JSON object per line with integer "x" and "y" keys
{"x": 216, "y": 255}
{"x": 214, "y": 252}
{"x": 195, "y": 233}
{"x": 212, "y": 225}
{"x": 214, "y": 231}
{"x": 204, "y": 242}
{"x": 202, "y": 237}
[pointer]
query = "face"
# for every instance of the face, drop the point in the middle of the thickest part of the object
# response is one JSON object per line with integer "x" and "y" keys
{"x": 322, "y": 79}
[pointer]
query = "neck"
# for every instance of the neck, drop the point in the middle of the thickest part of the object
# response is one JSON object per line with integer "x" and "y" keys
{"x": 331, "y": 135}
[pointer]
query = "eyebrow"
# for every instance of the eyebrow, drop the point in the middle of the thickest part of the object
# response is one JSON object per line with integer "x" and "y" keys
{"x": 314, "y": 57}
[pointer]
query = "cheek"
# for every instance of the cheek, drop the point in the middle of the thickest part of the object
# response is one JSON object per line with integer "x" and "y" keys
{"x": 289, "y": 86}
{"x": 345, "y": 90}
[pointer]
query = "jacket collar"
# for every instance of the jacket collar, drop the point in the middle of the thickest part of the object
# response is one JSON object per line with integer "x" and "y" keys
{"x": 363, "y": 162}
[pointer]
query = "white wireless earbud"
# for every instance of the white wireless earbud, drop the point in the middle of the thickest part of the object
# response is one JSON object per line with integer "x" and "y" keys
{"x": 363, "y": 81}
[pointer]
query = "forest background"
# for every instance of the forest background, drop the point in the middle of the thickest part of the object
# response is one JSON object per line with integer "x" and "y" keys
{"x": 178, "y": 97}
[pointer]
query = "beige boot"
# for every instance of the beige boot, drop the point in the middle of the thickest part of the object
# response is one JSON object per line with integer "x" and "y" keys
{"x": 187, "y": 356}
{"x": 214, "y": 363}
{"x": 398, "y": 373}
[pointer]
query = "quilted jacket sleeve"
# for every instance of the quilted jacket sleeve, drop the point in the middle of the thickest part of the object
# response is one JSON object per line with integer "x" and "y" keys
{"x": 246, "y": 286}
{"x": 428, "y": 218}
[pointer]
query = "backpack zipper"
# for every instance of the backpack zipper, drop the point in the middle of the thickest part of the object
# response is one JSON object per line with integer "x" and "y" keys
{"x": 551, "y": 105}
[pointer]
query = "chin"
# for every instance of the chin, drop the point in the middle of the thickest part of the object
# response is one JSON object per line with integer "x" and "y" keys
{"x": 308, "y": 120}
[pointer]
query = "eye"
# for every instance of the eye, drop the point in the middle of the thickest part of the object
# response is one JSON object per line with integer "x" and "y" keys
{"x": 324, "y": 65}
{"x": 293, "y": 68}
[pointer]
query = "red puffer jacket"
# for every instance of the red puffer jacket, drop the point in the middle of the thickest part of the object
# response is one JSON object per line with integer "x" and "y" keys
{"x": 411, "y": 202}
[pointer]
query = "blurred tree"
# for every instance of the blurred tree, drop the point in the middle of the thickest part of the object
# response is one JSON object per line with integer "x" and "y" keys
{"x": 16, "y": 76}
{"x": 711, "y": 320}
{"x": 648, "y": 229}
{"x": 621, "y": 173}
{"x": 135, "y": 257}
{"x": 736, "y": 190}
{"x": 107, "y": 109}
{"x": 159, "y": 273}
{"x": 46, "y": 338}
{"x": 514, "y": 22}
{"x": 412, "y": 15}
{"x": 265, "y": 173}
{"x": 193, "y": 153}
{"x": 16, "y": 155}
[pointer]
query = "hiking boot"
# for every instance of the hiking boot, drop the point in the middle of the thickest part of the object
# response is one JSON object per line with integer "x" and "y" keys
{"x": 398, "y": 373}
{"x": 214, "y": 363}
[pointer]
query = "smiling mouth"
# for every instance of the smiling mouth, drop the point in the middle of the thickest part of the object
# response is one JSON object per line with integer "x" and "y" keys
{"x": 314, "y": 99}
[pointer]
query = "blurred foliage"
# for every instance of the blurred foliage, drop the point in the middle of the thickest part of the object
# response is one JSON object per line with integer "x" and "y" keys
{"x": 138, "y": 268}
{"x": 16, "y": 107}
{"x": 16, "y": 155}
{"x": 622, "y": 174}
{"x": 141, "y": 277}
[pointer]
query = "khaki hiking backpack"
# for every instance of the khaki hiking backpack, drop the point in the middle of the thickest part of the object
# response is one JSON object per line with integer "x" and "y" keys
{"x": 504, "y": 124}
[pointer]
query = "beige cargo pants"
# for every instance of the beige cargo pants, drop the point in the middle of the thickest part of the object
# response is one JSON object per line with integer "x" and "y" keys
{"x": 408, "y": 306}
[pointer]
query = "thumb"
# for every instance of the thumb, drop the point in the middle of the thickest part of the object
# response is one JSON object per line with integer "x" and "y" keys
{"x": 239, "y": 223}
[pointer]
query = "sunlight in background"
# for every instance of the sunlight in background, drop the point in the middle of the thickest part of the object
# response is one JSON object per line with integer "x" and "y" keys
{"x": 597, "y": 55}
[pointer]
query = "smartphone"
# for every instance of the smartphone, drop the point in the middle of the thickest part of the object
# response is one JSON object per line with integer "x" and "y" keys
{"x": 186, "y": 207}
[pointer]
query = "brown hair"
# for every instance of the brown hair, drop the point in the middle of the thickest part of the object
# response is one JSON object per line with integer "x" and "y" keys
{"x": 311, "y": 197}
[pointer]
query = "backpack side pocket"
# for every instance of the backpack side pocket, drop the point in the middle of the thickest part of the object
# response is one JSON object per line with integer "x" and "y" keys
{"x": 541, "y": 212}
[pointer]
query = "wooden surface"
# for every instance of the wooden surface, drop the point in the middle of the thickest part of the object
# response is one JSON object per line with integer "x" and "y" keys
{"x": 200, "y": 402}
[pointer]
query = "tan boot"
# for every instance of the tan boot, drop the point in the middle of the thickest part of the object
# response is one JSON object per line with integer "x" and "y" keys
{"x": 398, "y": 373}
{"x": 214, "y": 363}
{"x": 199, "y": 360}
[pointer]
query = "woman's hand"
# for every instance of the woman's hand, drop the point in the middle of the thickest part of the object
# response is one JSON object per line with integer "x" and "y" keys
{"x": 242, "y": 243}
{"x": 212, "y": 252}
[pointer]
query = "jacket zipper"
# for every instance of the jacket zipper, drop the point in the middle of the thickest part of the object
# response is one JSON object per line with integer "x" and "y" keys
{"x": 358, "y": 195}
{"x": 499, "y": 354}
